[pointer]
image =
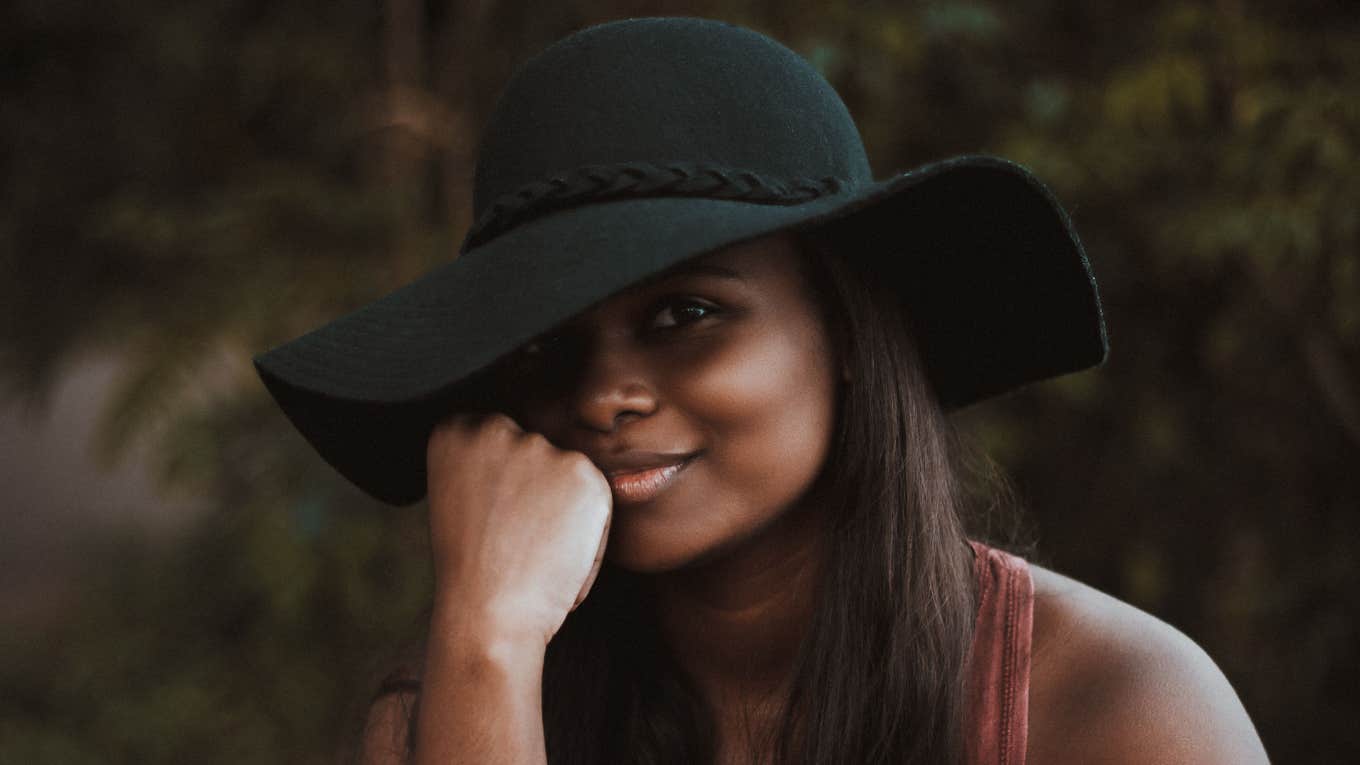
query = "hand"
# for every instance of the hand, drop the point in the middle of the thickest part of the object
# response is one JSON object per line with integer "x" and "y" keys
{"x": 517, "y": 525}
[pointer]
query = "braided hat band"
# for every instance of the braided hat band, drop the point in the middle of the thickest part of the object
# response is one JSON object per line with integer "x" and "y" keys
{"x": 595, "y": 183}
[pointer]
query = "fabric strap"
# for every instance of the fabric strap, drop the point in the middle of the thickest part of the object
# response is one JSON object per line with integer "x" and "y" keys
{"x": 998, "y": 678}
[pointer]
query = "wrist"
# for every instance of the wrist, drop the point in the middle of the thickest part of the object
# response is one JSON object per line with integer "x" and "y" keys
{"x": 485, "y": 633}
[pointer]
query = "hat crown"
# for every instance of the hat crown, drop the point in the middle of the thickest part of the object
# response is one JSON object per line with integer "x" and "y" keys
{"x": 664, "y": 91}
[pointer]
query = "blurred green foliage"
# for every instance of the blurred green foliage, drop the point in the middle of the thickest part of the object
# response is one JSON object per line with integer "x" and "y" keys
{"x": 189, "y": 183}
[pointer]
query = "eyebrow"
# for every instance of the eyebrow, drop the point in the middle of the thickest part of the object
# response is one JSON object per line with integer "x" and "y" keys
{"x": 690, "y": 268}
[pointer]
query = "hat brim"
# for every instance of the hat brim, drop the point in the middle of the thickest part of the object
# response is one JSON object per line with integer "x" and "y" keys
{"x": 990, "y": 266}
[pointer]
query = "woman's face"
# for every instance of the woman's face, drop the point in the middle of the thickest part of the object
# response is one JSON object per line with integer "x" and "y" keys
{"x": 707, "y": 396}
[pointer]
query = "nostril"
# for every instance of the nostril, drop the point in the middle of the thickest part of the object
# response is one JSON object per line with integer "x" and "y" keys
{"x": 604, "y": 408}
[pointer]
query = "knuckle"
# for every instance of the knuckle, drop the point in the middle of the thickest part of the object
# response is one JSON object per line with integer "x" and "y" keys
{"x": 577, "y": 461}
{"x": 587, "y": 472}
{"x": 441, "y": 436}
{"x": 451, "y": 425}
{"x": 501, "y": 422}
{"x": 536, "y": 445}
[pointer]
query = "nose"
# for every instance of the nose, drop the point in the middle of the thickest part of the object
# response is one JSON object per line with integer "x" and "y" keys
{"x": 613, "y": 386}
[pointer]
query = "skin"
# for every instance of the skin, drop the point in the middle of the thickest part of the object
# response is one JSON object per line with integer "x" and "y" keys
{"x": 1112, "y": 684}
{"x": 736, "y": 367}
{"x": 750, "y": 383}
{"x": 739, "y": 370}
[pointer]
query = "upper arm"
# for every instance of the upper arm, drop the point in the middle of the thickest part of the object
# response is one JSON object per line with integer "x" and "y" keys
{"x": 1115, "y": 685}
{"x": 387, "y": 729}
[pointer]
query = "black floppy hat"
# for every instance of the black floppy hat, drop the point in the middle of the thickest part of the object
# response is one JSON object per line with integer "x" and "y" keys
{"x": 629, "y": 147}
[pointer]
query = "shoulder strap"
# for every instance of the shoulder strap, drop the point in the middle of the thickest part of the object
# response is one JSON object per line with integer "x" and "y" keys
{"x": 997, "y": 690}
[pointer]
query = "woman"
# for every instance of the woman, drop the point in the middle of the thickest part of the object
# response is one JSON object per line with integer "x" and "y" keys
{"x": 679, "y": 411}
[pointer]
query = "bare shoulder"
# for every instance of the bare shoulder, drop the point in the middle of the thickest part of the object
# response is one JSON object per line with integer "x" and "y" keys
{"x": 1112, "y": 684}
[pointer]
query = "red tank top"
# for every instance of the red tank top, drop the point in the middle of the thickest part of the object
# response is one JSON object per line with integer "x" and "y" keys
{"x": 996, "y": 715}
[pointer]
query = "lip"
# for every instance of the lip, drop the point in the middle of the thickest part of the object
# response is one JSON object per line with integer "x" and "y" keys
{"x": 633, "y": 487}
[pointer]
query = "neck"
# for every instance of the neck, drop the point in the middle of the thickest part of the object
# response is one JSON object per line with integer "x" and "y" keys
{"x": 735, "y": 621}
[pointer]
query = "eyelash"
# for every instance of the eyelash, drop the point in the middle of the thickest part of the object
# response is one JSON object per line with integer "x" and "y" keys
{"x": 547, "y": 342}
{"x": 682, "y": 303}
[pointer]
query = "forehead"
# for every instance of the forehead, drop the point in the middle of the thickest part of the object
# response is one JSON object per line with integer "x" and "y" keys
{"x": 768, "y": 258}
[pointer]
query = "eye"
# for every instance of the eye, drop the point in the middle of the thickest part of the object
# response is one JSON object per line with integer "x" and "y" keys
{"x": 678, "y": 312}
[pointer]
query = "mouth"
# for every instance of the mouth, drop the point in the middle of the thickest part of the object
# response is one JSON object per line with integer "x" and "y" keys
{"x": 633, "y": 487}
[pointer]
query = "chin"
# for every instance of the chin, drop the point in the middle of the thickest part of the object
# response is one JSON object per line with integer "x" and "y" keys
{"x": 650, "y": 559}
{"x": 666, "y": 550}
{"x": 645, "y": 549}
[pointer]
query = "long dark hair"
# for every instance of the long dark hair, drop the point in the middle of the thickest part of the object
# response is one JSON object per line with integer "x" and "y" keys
{"x": 880, "y": 673}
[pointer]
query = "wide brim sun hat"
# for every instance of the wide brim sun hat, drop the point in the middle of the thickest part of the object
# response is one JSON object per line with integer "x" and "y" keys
{"x": 628, "y": 147}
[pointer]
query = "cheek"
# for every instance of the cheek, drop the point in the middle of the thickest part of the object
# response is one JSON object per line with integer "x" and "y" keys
{"x": 767, "y": 403}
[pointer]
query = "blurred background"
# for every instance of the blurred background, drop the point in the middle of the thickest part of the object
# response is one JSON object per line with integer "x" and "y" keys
{"x": 183, "y": 184}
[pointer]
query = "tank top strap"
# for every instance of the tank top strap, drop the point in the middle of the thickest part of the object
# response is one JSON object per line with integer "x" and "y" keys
{"x": 996, "y": 694}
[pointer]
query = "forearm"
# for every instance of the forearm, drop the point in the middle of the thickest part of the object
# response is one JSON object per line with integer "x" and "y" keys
{"x": 481, "y": 700}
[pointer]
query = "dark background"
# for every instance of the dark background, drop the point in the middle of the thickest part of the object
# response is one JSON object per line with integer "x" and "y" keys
{"x": 183, "y": 184}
